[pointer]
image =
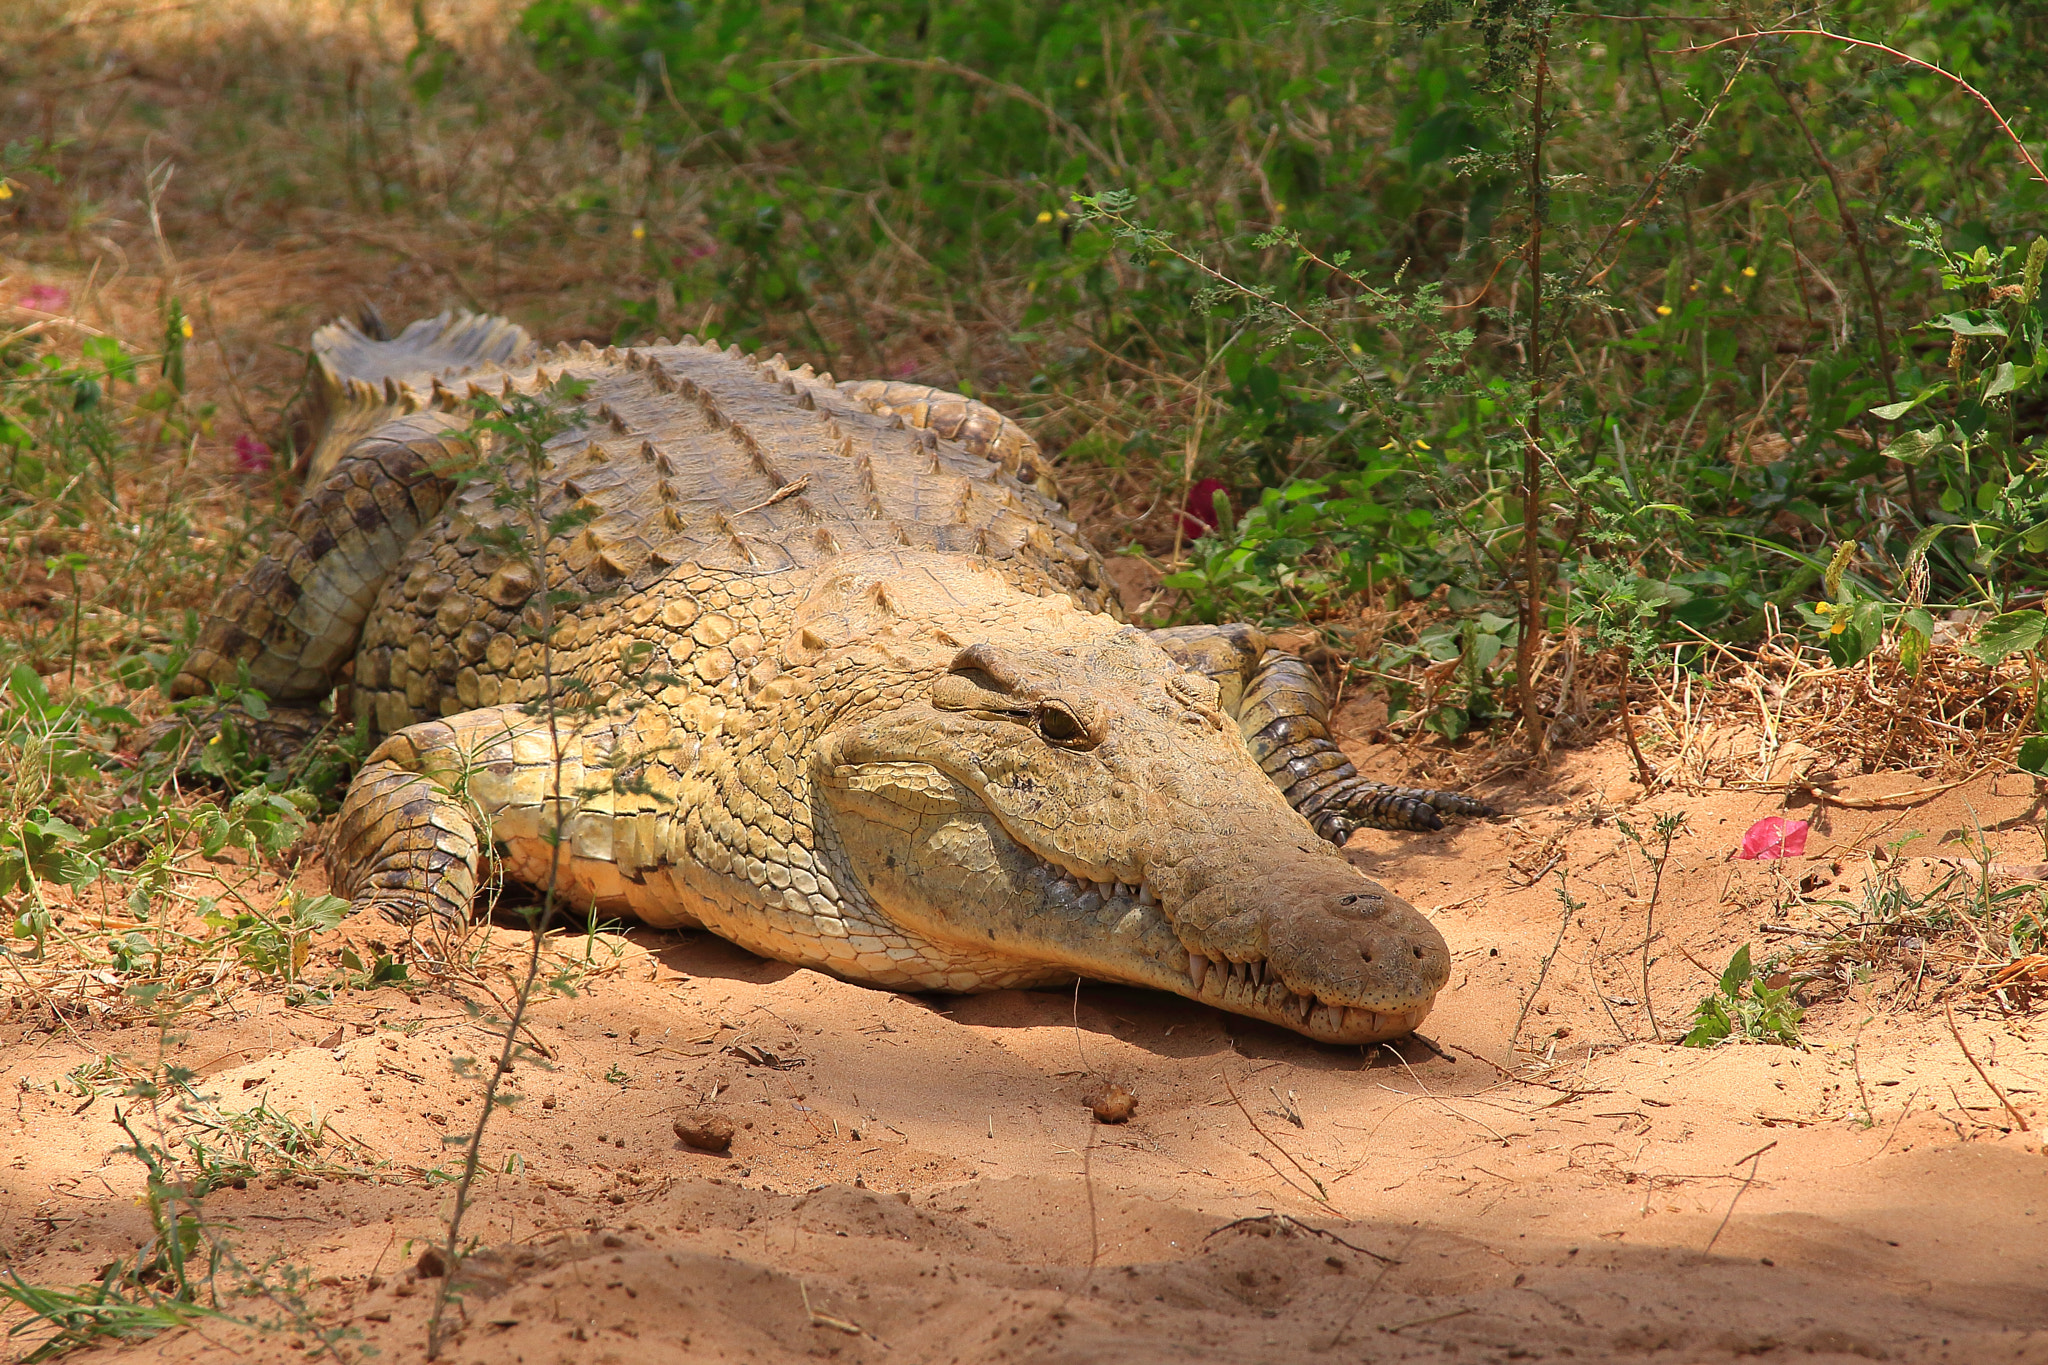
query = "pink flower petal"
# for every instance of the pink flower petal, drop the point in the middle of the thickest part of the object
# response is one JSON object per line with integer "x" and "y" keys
{"x": 46, "y": 298}
{"x": 1198, "y": 515}
{"x": 1774, "y": 836}
{"x": 252, "y": 454}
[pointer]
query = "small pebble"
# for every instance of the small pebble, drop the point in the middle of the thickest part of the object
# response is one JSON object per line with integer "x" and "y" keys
{"x": 1113, "y": 1104}
{"x": 705, "y": 1132}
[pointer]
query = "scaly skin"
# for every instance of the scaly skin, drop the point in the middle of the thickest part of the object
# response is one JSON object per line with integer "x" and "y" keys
{"x": 863, "y": 703}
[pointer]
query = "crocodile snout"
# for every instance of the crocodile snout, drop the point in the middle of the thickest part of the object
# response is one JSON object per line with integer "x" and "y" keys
{"x": 1316, "y": 948}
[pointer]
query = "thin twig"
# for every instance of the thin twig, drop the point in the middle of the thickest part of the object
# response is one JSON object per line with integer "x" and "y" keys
{"x": 1529, "y": 639}
{"x": 1563, "y": 924}
{"x": 1851, "y": 233}
{"x": 1322, "y": 1196}
{"x": 1754, "y": 1159}
{"x": 2017, "y": 1117}
{"x": 1972, "y": 91}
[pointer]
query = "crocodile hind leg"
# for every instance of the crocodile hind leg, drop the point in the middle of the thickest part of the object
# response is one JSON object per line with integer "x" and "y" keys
{"x": 293, "y": 619}
{"x": 1281, "y": 710}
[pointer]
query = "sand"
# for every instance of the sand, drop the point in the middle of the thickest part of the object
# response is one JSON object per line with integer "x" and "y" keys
{"x": 920, "y": 1178}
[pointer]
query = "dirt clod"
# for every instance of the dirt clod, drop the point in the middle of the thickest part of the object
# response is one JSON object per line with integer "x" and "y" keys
{"x": 432, "y": 1265}
{"x": 704, "y": 1132}
{"x": 1113, "y": 1104}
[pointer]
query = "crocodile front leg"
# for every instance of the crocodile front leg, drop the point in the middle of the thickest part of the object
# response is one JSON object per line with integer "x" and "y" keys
{"x": 408, "y": 841}
{"x": 435, "y": 796}
{"x": 1281, "y": 710}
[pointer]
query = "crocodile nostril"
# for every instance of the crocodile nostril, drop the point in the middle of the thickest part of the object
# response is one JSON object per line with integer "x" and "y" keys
{"x": 1418, "y": 950}
{"x": 1366, "y": 954}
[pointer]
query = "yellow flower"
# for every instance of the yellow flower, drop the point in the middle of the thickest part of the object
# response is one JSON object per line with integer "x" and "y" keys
{"x": 1693, "y": 287}
{"x": 1390, "y": 445}
{"x": 1663, "y": 310}
{"x": 639, "y": 232}
{"x": 1838, "y": 627}
{"x": 1422, "y": 445}
{"x": 1749, "y": 272}
{"x": 1080, "y": 82}
{"x": 1279, "y": 209}
{"x": 1823, "y": 608}
{"x": 6, "y": 190}
{"x": 1726, "y": 290}
{"x": 1045, "y": 215}
{"x": 1357, "y": 349}
{"x": 185, "y": 328}
{"x": 1063, "y": 215}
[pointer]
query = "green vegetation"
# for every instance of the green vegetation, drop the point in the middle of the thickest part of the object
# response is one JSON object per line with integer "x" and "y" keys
{"x": 1750, "y": 1001}
{"x": 1519, "y": 323}
{"x": 1496, "y": 307}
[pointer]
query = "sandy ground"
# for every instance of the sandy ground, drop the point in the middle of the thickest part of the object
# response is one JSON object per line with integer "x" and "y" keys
{"x": 918, "y": 1179}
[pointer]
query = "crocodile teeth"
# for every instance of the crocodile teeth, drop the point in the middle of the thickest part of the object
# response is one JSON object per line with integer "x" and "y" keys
{"x": 1258, "y": 973}
{"x": 1106, "y": 890}
{"x": 1198, "y": 970}
{"x": 1123, "y": 891}
{"x": 1145, "y": 896}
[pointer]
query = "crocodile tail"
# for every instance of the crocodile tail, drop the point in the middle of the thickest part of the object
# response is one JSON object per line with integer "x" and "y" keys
{"x": 361, "y": 377}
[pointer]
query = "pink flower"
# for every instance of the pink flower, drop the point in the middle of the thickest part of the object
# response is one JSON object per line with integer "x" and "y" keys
{"x": 46, "y": 298}
{"x": 1198, "y": 516}
{"x": 252, "y": 455}
{"x": 1774, "y": 836}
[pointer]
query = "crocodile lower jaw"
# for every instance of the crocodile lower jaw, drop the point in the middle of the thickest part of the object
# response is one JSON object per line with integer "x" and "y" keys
{"x": 1248, "y": 988}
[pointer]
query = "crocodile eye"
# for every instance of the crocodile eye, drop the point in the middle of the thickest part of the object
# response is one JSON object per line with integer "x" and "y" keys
{"x": 1060, "y": 725}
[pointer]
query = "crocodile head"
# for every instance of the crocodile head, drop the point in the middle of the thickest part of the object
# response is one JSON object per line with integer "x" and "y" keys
{"x": 1086, "y": 806}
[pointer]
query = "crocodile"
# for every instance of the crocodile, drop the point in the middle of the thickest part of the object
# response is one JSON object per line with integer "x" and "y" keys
{"x": 822, "y": 667}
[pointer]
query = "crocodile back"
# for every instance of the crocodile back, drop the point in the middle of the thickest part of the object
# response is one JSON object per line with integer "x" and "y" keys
{"x": 704, "y": 476}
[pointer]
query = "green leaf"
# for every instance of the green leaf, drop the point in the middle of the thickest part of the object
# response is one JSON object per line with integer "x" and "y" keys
{"x": 1913, "y": 446}
{"x": 1965, "y": 326}
{"x": 2033, "y": 755}
{"x": 2003, "y": 381}
{"x": 1710, "y": 1025}
{"x": 1891, "y": 412}
{"x": 2016, "y": 632}
{"x": 1916, "y": 633}
{"x": 1737, "y": 973}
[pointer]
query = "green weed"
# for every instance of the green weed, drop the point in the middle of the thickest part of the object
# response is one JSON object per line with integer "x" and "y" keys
{"x": 190, "y": 1269}
{"x": 1750, "y": 1001}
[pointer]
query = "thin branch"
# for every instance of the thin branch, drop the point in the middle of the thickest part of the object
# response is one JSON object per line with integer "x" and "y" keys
{"x": 1754, "y": 1159}
{"x": 1322, "y": 1196}
{"x": 1851, "y": 232}
{"x": 2017, "y": 1118}
{"x": 1972, "y": 91}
